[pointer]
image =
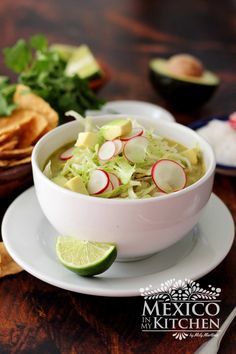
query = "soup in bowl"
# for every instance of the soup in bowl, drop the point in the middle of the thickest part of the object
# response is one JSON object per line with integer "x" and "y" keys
{"x": 93, "y": 199}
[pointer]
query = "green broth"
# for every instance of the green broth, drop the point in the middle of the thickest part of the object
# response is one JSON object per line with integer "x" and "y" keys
{"x": 172, "y": 149}
{"x": 56, "y": 163}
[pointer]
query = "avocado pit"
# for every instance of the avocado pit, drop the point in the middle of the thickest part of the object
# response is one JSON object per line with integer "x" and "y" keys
{"x": 185, "y": 65}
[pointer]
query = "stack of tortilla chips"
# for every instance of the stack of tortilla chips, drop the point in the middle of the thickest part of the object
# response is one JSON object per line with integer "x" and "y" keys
{"x": 7, "y": 265}
{"x": 32, "y": 118}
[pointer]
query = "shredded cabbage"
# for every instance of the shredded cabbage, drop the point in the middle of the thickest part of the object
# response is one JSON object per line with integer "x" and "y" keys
{"x": 136, "y": 180}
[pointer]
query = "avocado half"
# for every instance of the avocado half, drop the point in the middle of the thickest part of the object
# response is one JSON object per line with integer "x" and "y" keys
{"x": 182, "y": 92}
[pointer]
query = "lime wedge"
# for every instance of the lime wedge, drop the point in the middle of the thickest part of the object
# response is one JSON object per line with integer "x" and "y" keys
{"x": 84, "y": 257}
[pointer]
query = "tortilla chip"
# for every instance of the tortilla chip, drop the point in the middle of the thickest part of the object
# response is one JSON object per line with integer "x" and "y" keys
{"x": 16, "y": 153}
{"x": 7, "y": 136}
{"x": 4, "y": 137}
{"x": 9, "y": 145}
{"x": 32, "y": 130}
{"x": 7, "y": 265}
{"x": 14, "y": 162}
{"x": 32, "y": 119}
{"x": 20, "y": 162}
{"x": 13, "y": 123}
{"x": 4, "y": 163}
{"x": 26, "y": 99}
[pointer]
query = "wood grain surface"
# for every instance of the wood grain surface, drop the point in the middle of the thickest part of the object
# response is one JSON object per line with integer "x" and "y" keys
{"x": 38, "y": 318}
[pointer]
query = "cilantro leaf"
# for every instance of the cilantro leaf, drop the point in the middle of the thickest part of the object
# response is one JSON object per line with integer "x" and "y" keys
{"x": 39, "y": 42}
{"x": 18, "y": 57}
{"x": 6, "y": 97}
{"x": 5, "y": 108}
{"x": 4, "y": 80}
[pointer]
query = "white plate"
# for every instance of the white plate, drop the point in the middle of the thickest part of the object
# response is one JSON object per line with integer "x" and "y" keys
{"x": 30, "y": 240}
{"x": 135, "y": 107}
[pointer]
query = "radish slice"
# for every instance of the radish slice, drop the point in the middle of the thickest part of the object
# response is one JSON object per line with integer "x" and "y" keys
{"x": 107, "y": 151}
{"x": 66, "y": 155}
{"x": 119, "y": 146}
{"x": 135, "y": 132}
{"x": 168, "y": 176}
{"x": 232, "y": 120}
{"x": 114, "y": 180}
{"x": 135, "y": 149}
{"x": 98, "y": 182}
{"x": 109, "y": 187}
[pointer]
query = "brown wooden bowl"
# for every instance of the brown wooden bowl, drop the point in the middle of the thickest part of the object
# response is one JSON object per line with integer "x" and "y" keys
{"x": 14, "y": 180}
{"x": 97, "y": 84}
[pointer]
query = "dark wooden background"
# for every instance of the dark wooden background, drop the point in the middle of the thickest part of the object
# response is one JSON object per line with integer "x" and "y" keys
{"x": 38, "y": 318}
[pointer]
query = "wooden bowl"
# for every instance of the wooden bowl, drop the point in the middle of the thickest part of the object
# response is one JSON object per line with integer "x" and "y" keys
{"x": 14, "y": 180}
{"x": 96, "y": 85}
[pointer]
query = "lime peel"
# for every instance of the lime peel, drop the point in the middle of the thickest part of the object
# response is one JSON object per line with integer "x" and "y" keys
{"x": 85, "y": 258}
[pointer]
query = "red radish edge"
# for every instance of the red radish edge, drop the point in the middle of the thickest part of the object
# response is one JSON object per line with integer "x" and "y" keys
{"x": 152, "y": 173}
{"x": 115, "y": 181}
{"x": 105, "y": 186}
{"x": 233, "y": 125}
{"x": 111, "y": 185}
{"x": 118, "y": 145}
{"x": 232, "y": 117}
{"x": 108, "y": 145}
{"x": 232, "y": 120}
{"x": 109, "y": 188}
{"x": 135, "y": 132}
{"x": 66, "y": 155}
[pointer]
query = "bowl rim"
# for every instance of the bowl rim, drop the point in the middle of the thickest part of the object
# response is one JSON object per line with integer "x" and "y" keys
{"x": 207, "y": 148}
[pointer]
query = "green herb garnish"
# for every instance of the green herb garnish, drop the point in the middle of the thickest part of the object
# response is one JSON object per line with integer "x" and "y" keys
{"x": 44, "y": 72}
{"x": 6, "y": 96}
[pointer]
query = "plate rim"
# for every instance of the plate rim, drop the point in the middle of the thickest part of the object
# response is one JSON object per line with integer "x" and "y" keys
{"x": 103, "y": 292}
{"x": 144, "y": 103}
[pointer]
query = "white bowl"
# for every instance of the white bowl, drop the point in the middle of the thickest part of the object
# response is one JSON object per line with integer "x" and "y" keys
{"x": 139, "y": 228}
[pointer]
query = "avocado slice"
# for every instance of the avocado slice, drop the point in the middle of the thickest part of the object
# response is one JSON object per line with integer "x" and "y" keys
{"x": 76, "y": 184}
{"x": 87, "y": 139}
{"x": 181, "y": 91}
{"x": 60, "y": 180}
{"x": 192, "y": 155}
{"x": 116, "y": 128}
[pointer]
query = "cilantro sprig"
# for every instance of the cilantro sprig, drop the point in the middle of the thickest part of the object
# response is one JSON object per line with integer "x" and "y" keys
{"x": 44, "y": 72}
{"x": 6, "y": 97}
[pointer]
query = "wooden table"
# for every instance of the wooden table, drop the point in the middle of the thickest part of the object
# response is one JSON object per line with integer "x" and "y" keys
{"x": 38, "y": 318}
